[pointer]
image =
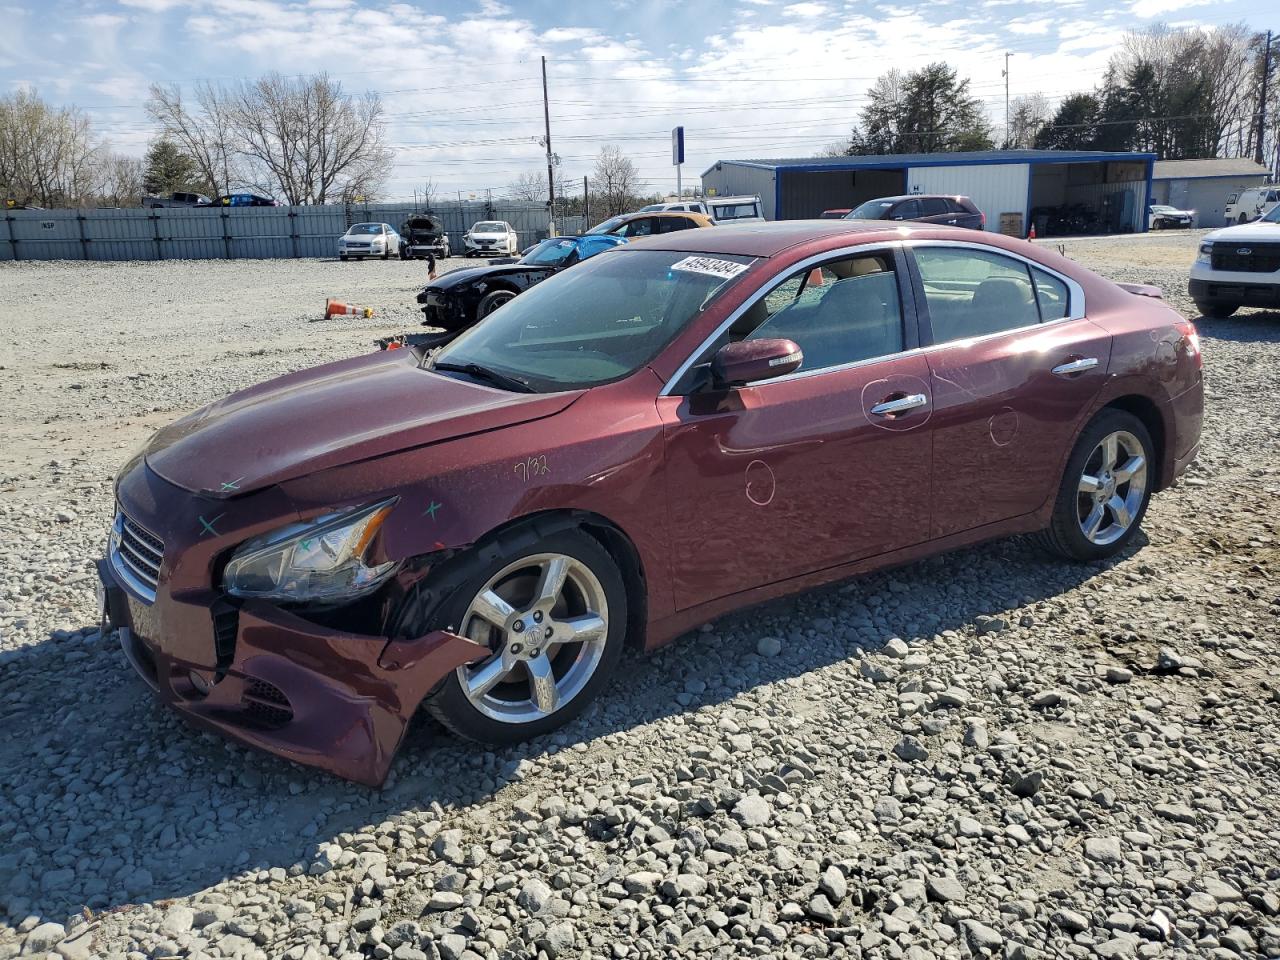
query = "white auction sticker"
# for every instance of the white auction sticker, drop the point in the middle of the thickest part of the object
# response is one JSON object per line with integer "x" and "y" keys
{"x": 710, "y": 266}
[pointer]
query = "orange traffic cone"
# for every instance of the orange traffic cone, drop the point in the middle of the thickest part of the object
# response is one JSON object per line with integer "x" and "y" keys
{"x": 1031, "y": 235}
{"x": 336, "y": 308}
{"x": 815, "y": 278}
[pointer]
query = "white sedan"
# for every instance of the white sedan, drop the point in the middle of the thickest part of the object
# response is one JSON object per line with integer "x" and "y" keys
{"x": 1161, "y": 216}
{"x": 490, "y": 238}
{"x": 369, "y": 240}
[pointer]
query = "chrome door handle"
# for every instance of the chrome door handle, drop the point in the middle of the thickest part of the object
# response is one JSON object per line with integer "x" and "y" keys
{"x": 1075, "y": 366}
{"x": 887, "y": 408}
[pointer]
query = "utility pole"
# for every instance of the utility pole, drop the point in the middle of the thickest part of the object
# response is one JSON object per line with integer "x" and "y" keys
{"x": 1262, "y": 101}
{"x": 586, "y": 206}
{"x": 1005, "y": 74}
{"x": 551, "y": 172}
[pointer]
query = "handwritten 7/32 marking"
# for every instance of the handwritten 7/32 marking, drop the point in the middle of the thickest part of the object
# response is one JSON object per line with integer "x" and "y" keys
{"x": 526, "y": 470}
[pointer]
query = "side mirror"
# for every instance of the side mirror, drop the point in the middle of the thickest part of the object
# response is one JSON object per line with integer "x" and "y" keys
{"x": 750, "y": 360}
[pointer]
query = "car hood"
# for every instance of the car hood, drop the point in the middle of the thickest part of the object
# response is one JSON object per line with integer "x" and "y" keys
{"x": 1246, "y": 232}
{"x": 327, "y": 416}
{"x": 458, "y": 278}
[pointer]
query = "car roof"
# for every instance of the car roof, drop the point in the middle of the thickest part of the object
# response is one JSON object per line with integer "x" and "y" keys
{"x": 768, "y": 239}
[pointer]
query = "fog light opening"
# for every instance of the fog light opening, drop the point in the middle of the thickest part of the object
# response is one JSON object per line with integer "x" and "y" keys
{"x": 199, "y": 682}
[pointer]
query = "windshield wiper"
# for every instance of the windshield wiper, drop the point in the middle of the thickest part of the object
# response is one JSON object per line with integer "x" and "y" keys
{"x": 505, "y": 381}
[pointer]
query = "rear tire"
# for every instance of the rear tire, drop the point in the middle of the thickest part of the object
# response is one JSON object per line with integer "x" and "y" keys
{"x": 342, "y": 257}
{"x": 531, "y": 684}
{"x": 1105, "y": 489}
{"x": 1217, "y": 311}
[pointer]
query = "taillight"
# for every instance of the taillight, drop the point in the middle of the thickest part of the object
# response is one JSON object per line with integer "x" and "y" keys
{"x": 982, "y": 224}
{"x": 1188, "y": 331}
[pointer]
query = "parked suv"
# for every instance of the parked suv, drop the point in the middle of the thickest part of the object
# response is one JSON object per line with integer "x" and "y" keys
{"x": 923, "y": 208}
{"x": 1238, "y": 267}
{"x": 177, "y": 200}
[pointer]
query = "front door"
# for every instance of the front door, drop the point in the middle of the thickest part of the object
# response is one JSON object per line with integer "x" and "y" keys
{"x": 1013, "y": 366}
{"x": 824, "y": 466}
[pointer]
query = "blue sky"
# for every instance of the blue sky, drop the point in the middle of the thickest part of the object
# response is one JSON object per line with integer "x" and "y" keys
{"x": 462, "y": 87}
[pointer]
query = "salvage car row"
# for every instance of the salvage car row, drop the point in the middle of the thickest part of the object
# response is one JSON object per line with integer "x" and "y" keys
{"x": 700, "y": 420}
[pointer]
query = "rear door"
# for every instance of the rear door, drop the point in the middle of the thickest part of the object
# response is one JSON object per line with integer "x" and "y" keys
{"x": 1013, "y": 366}
{"x": 936, "y": 210}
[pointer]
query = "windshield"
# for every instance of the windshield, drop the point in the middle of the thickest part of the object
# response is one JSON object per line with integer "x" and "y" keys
{"x": 1160, "y": 208}
{"x": 489, "y": 228}
{"x": 871, "y": 210}
{"x": 356, "y": 229}
{"x": 598, "y": 322}
{"x": 607, "y": 225}
{"x": 652, "y": 207}
{"x": 550, "y": 252}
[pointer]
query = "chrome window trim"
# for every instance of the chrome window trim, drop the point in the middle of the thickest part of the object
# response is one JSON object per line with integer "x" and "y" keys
{"x": 1075, "y": 292}
{"x": 799, "y": 266}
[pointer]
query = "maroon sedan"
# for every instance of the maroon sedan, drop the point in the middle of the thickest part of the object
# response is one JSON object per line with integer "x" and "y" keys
{"x": 675, "y": 429}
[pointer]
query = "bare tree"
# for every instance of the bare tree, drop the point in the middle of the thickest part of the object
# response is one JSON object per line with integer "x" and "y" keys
{"x": 425, "y": 195}
{"x": 203, "y": 130}
{"x": 316, "y": 142}
{"x": 47, "y": 154}
{"x": 1027, "y": 116}
{"x": 530, "y": 185}
{"x": 120, "y": 179}
{"x": 616, "y": 181}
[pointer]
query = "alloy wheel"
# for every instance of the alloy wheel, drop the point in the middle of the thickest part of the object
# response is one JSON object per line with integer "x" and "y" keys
{"x": 546, "y": 619}
{"x": 495, "y": 301}
{"x": 1112, "y": 488}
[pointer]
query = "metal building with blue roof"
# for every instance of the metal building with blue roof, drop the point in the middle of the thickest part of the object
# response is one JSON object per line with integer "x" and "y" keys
{"x": 1014, "y": 188}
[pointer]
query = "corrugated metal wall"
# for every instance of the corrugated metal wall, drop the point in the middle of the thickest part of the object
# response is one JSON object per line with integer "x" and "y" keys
{"x": 184, "y": 233}
{"x": 806, "y": 194}
{"x": 994, "y": 188}
{"x": 1091, "y": 194}
{"x": 1207, "y": 196}
{"x": 731, "y": 180}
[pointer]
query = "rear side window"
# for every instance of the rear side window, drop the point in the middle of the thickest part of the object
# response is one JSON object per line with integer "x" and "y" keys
{"x": 973, "y": 293}
{"x": 1051, "y": 295}
{"x": 934, "y": 207}
{"x": 672, "y": 224}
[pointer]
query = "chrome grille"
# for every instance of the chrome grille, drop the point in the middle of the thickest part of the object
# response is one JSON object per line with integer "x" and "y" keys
{"x": 136, "y": 554}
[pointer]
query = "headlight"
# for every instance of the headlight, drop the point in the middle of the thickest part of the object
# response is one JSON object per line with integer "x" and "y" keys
{"x": 1206, "y": 249}
{"x": 322, "y": 559}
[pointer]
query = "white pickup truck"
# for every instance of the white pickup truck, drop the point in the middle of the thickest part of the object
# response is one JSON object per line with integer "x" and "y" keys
{"x": 1238, "y": 267}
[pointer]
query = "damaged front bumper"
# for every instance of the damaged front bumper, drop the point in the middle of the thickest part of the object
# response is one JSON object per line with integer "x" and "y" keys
{"x": 321, "y": 697}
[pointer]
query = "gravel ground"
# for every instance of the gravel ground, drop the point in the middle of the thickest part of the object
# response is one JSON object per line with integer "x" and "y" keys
{"x": 984, "y": 754}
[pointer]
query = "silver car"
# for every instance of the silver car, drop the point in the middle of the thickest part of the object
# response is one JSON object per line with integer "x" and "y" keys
{"x": 369, "y": 240}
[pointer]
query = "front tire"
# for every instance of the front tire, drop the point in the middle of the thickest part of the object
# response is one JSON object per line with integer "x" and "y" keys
{"x": 1217, "y": 311}
{"x": 553, "y": 611}
{"x": 492, "y": 301}
{"x": 1105, "y": 490}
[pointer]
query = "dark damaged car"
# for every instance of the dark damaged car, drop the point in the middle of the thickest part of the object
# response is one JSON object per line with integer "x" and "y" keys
{"x": 687, "y": 425}
{"x": 460, "y": 298}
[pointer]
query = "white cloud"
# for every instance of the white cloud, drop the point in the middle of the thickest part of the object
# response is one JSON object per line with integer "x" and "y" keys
{"x": 807, "y": 10}
{"x": 154, "y": 6}
{"x": 1156, "y": 8}
{"x": 1031, "y": 26}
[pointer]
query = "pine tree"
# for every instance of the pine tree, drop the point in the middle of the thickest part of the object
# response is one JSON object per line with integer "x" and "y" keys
{"x": 169, "y": 169}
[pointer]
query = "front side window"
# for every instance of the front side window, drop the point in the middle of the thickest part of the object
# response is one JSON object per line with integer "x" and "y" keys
{"x": 973, "y": 293}
{"x": 641, "y": 227}
{"x": 597, "y": 322}
{"x": 907, "y": 211}
{"x": 841, "y": 312}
